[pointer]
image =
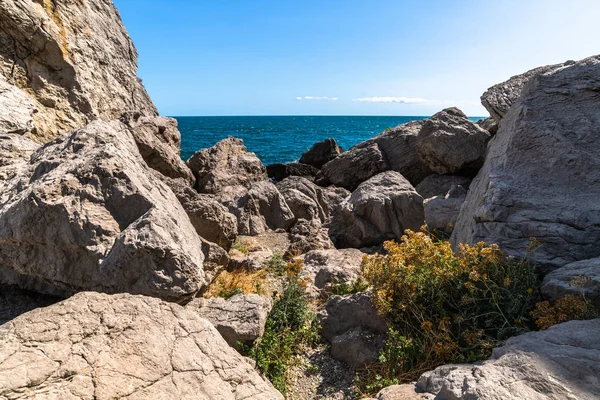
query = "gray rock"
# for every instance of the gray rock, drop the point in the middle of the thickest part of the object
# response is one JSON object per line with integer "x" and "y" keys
{"x": 309, "y": 201}
{"x": 489, "y": 124}
{"x": 355, "y": 166}
{"x": 450, "y": 142}
{"x": 239, "y": 318}
{"x": 211, "y": 219}
{"x": 321, "y": 153}
{"x": 380, "y": 209}
{"x": 541, "y": 176}
{"x": 122, "y": 346}
{"x": 499, "y": 98}
{"x": 308, "y": 235}
{"x": 558, "y": 283}
{"x": 441, "y": 212}
{"x": 73, "y": 60}
{"x": 279, "y": 172}
{"x": 15, "y": 151}
{"x": 86, "y": 214}
{"x": 254, "y": 260}
{"x": 159, "y": 141}
{"x": 215, "y": 259}
{"x": 16, "y": 109}
{"x": 407, "y": 391}
{"x": 257, "y": 209}
{"x": 562, "y": 362}
{"x": 357, "y": 347}
{"x": 436, "y": 185}
{"x": 227, "y": 163}
{"x": 324, "y": 267}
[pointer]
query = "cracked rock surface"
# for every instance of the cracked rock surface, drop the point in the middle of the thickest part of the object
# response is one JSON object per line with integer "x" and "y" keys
{"x": 98, "y": 346}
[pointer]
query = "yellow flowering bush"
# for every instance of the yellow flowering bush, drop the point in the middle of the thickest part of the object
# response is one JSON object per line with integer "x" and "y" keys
{"x": 445, "y": 306}
{"x": 567, "y": 308}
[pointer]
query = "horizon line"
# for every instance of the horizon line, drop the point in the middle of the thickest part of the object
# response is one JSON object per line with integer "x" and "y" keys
{"x": 310, "y": 115}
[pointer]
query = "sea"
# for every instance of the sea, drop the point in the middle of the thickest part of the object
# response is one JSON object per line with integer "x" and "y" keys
{"x": 282, "y": 139}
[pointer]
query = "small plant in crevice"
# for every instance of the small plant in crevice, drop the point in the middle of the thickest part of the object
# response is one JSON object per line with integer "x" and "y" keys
{"x": 291, "y": 325}
{"x": 443, "y": 306}
{"x": 276, "y": 264}
{"x": 228, "y": 284}
{"x": 344, "y": 288}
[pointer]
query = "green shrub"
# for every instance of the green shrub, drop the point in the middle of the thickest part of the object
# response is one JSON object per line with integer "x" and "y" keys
{"x": 442, "y": 306}
{"x": 343, "y": 288}
{"x": 276, "y": 264}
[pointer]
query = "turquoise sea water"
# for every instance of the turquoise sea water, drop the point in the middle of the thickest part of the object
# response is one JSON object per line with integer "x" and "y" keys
{"x": 281, "y": 139}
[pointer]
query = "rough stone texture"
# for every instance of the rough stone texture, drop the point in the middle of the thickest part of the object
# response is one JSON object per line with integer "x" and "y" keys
{"x": 16, "y": 109}
{"x": 450, "y": 142}
{"x": 258, "y": 209}
{"x": 159, "y": 142}
{"x": 558, "y": 282}
{"x": 87, "y": 214}
{"x": 489, "y": 124}
{"x": 98, "y": 346}
{"x": 380, "y": 209}
{"x": 352, "y": 326}
{"x": 227, "y": 163}
{"x": 254, "y": 260}
{"x": 240, "y": 318}
{"x": 435, "y": 185}
{"x": 15, "y": 151}
{"x": 499, "y": 98}
{"x": 441, "y": 212}
{"x": 562, "y": 362}
{"x": 215, "y": 259}
{"x": 15, "y": 301}
{"x": 394, "y": 149}
{"x": 321, "y": 153}
{"x": 279, "y": 172}
{"x": 403, "y": 392}
{"x": 354, "y": 166}
{"x": 72, "y": 59}
{"x": 541, "y": 176}
{"x": 309, "y": 201}
{"x": 211, "y": 219}
{"x": 308, "y": 235}
{"x": 323, "y": 267}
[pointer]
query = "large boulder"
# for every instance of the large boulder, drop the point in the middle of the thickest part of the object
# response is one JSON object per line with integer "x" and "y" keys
{"x": 159, "y": 142}
{"x": 436, "y": 185}
{"x": 227, "y": 163}
{"x": 98, "y": 346}
{"x": 210, "y": 218}
{"x": 499, "y": 98}
{"x": 279, "y": 172}
{"x": 325, "y": 267}
{"x": 562, "y": 362}
{"x": 450, "y": 142}
{"x": 86, "y": 214}
{"x": 380, "y": 209}
{"x": 441, "y": 212}
{"x": 540, "y": 178}
{"x": 257, "y": 209}
{"x": 309, "y": 201}
{"x": 321, "y": 153}
{"x": 580, "y": 278}
{"x": 394, "y": 149}
{"x": 73, "y": 60}
{"x": 240, "y": 318}
{"x": 306, "y": 236}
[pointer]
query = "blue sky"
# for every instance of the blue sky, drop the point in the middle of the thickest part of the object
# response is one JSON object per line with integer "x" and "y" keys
{"x": 346, "y": 57}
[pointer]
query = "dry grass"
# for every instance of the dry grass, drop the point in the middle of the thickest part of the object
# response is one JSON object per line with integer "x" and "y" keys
{"x": 248, "y": 282}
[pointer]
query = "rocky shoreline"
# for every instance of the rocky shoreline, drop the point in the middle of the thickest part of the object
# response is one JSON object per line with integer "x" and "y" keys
{"x": 110, "y": 244}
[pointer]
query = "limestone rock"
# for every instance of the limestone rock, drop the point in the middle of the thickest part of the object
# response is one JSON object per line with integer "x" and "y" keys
{"x": 210, "y": 218}
{"x": 357, "y": 347}
{"x": 450, "y": 142}
{"x": 257, "y": 209}
{"x": 240, "y": 318}
{"x": 558, "y": 282}
{"x": 321, "y": 153}
{"x": 562, "y": 362}
{"x": 159, "y": 141}
{"x": 86, "y": 214}
{"x": 16, "y": 109}
{"x": 436, "y": 185}
{"x": 15, "y": 151}
{"x": 394, "y": 149}
{"x": 215, "y": 259}
{"x": 73, "y": 60}
{"x": 499, "y": 98}
{"x": 15, "y": 301}
{"x": 324, "y": 267}
{"x": 279, "y": 172}
{"x": 122, "y": 346}
{"x": 254, "y": 260}
{"x": 380, "y": 209}
{"x": 309, "y": 201}
{"x": 489, "y": 124}
{"x": 540, "y": 178}
{"x": 441, "y": 212}
{"x": 227, "y": 163}
{"x": 308, "y": 235}
{"x": 407, "y": 391}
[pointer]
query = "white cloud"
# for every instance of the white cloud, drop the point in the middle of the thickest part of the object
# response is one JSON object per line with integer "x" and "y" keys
{"x": 403, "y": 100}
{"x": 317, "y": 98}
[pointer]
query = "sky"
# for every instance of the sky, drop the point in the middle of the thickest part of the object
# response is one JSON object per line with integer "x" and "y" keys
{"x": 347, "y": 57}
